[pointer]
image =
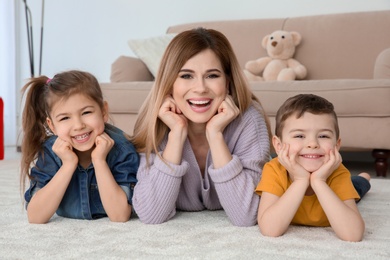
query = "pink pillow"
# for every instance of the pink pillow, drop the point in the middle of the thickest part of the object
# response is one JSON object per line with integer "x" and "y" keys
{"x": 382, "y": 65}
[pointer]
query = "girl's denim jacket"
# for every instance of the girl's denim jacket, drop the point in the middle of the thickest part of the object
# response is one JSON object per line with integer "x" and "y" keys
{"x": 81, "y": 199}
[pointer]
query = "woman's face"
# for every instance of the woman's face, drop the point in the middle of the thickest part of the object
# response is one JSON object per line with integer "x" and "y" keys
{"x": 200, "y": 87}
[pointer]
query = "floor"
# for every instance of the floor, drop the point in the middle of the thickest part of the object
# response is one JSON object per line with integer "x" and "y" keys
{"x": 356, "y": 162}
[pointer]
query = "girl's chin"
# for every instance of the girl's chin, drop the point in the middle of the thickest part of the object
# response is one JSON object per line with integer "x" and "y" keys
{"x": 83, "y": 148}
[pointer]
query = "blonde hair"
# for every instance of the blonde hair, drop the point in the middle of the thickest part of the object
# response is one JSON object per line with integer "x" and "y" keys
{"x": 149, "y": 130}
{"x": 41, "y": 94}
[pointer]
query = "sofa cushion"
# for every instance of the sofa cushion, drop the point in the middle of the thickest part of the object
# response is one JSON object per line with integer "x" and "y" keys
{"x": 151, "y": 50}
{"x": 382, "y": 65}
{"x": 125, "y": 69}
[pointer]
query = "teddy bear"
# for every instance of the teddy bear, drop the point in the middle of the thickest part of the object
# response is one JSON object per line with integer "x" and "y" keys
{"x": 279, "y": 65}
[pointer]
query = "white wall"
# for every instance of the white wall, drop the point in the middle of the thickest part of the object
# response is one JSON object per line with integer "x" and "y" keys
{"x": 91, "y": 34}
{"x": 7, "y": 69}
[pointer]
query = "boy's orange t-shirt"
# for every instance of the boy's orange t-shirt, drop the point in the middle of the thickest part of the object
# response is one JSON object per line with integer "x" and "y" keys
{"x": 275, "y": 180}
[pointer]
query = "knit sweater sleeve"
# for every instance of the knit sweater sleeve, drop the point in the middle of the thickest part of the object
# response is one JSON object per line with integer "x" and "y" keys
{"x": 235, "y": 183}
{"x": 157, "y": 189}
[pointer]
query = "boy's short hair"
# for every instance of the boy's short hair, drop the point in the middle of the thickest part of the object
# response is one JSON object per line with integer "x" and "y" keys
{"x": 298, "y": 105}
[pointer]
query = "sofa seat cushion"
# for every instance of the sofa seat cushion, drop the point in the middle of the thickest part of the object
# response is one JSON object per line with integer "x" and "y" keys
{"x": 125, "y": 97}
{"x": 351, "y": 97}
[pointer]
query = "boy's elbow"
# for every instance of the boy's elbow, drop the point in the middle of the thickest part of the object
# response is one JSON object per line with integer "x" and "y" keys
{"x": 352, "y": 237}
{"x": 354, "y": 234}
{"x": 270, "y": 232}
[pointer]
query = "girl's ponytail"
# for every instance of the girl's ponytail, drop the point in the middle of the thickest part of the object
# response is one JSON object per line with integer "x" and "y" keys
{"x": 33, "y": 123}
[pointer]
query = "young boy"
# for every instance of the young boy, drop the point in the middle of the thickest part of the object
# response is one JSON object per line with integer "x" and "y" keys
{"x": 307, "y": 184}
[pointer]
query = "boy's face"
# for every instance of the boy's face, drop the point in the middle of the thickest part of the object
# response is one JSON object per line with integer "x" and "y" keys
{"x": 311, "y": 137}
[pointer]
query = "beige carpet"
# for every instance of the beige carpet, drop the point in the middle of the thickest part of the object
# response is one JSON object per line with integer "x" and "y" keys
{"x": 200, "y": 235}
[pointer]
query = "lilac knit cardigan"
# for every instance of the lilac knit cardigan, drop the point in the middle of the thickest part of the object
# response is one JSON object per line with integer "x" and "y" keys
{"x": 162, "y": 188}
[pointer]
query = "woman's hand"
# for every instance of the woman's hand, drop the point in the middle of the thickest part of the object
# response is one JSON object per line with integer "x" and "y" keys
{"x": 171, "y": 115}
{"x": 226, "y": 113}
{"x": 103, "y": 143}
{"x": 64, "y": 151}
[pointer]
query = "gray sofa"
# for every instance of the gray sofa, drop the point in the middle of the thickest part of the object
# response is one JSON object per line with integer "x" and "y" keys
{"x": 348, "y": 61}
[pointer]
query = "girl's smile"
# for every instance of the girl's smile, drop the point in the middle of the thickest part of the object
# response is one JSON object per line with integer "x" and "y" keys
{"x": 77, "y": 120}
{"x": 82, "y": 138}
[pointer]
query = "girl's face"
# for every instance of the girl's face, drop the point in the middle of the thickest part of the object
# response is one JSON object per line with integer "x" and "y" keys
{"x": 200, "y": 87}
{"x": 311, "y": 137}
{"x": 78, "y": 120}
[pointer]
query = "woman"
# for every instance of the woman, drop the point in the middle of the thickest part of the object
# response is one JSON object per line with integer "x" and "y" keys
{"x": 202, "y": 136}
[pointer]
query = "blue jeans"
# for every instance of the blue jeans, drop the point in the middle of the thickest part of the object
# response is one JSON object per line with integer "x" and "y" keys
{"x": 362, "y": 185}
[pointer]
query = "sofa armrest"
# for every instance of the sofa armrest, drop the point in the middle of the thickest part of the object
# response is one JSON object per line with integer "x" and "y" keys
{"x": 126, "y": 69}
{"x": 382, "y": 65}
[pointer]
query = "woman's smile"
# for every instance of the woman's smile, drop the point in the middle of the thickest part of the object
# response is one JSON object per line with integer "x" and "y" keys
{"x": 200, "y": 87}
{"x": 200, "y": 105}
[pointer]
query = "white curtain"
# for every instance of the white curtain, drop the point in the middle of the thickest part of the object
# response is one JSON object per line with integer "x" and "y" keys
{"x": 8, "y": 88}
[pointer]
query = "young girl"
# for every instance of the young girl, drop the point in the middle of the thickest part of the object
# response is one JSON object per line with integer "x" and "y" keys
{"x": 81, "y": 167}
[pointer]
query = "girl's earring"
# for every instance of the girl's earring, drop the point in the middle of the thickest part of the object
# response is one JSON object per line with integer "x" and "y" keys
{"x": 47, "y": 130}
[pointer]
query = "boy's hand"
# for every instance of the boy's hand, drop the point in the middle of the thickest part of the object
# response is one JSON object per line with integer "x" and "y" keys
{"x": 331, "y": 163}
{"x": 226, "y": 113}
{"x": 64, "y": 151}
{"x": 103, "y": 143}
{"x": 289, "y": 161}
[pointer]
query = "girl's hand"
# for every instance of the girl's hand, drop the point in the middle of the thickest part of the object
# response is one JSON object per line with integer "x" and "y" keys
{"x": 103, "y": 143}
{"x": 171, "y": 115}
{"x": 226, "y": 113}
{"x": 289, "y": 161}
{"x": 331, "y": 163}
{"x": 64, "y": 150}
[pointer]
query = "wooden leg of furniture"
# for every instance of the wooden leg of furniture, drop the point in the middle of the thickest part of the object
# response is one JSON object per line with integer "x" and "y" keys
{"x": 381, "y": 164}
